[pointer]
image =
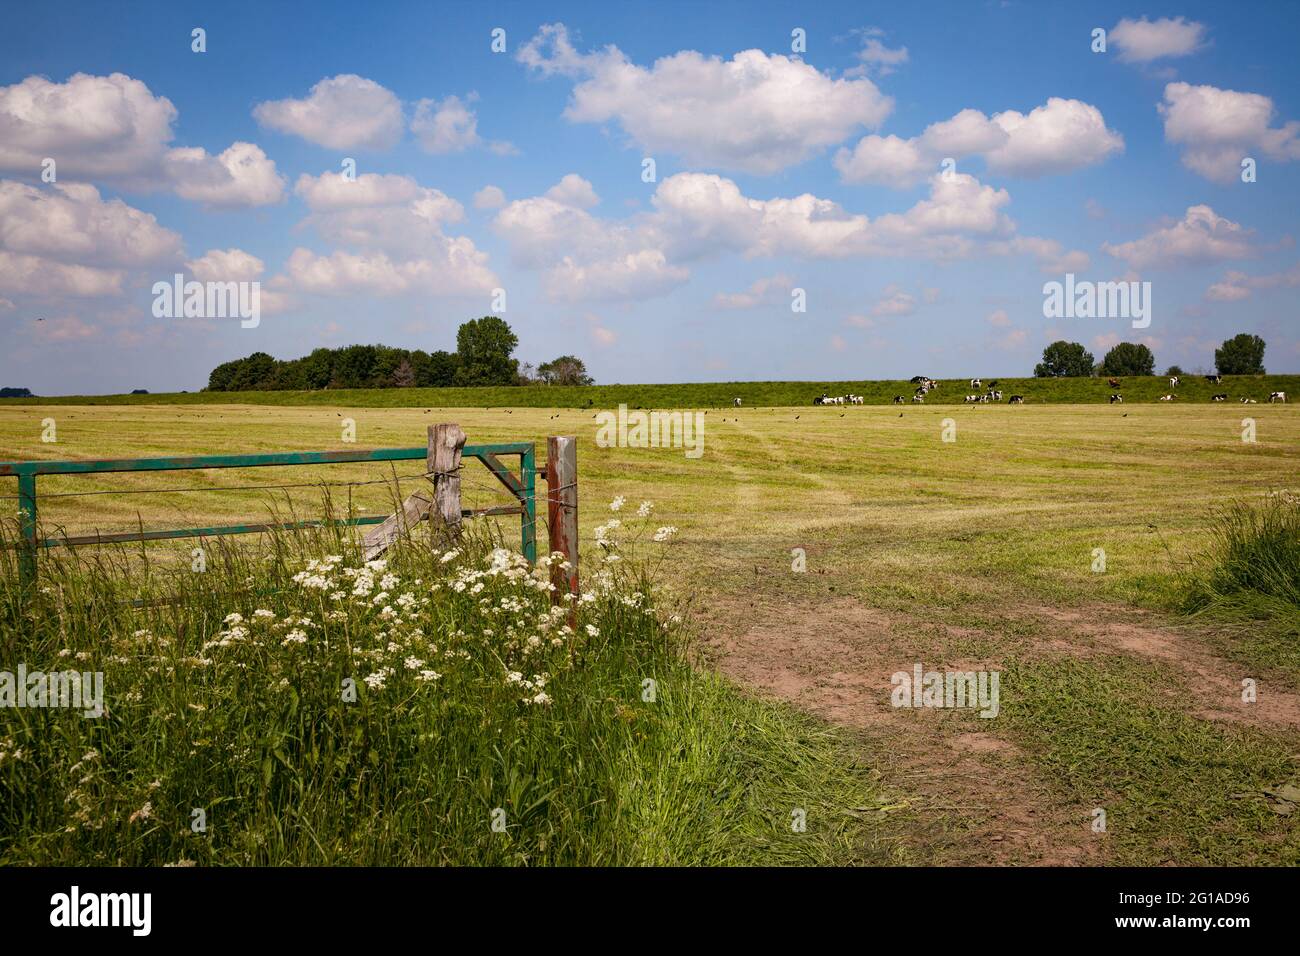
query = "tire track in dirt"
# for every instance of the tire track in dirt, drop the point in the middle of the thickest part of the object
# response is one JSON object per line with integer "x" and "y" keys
{"x": 975, "y": 790}
{"x": 1216, "y": 682}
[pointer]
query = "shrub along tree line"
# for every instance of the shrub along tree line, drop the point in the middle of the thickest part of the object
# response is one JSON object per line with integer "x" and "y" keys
{"x": 483, "y": 356}
{"x": 1240, "y": 355}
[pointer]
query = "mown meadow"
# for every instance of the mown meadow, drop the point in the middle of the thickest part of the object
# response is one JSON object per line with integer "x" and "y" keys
{"x": 982, "y": 548}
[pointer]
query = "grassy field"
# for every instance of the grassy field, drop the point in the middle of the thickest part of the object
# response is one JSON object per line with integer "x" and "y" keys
{"x": 980, "y": 550}
{"x": 1194, "y": 389}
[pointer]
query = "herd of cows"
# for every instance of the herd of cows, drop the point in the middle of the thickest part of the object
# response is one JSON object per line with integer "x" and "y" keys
{"x": 991, "y": 393}
{"x": 1175, "y": 381}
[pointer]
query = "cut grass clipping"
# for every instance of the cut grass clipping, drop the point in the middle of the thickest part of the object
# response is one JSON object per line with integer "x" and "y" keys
{"x": 295, "y": 705}
{"x": 1175, "y": 789}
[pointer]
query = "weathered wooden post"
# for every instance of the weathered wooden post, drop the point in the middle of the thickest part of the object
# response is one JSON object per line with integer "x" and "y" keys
{"x": 443, "y": 463}
{"x": 562, "y": 516}
{"x": 442, "y": 467}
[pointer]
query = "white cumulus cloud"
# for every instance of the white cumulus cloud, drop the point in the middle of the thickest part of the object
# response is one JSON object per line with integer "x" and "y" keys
{"x": 756, "y": 112}
{"x": 1202, "y": 235}
{"x": 341, "y": 112}
{"x": 113, "y": 129}
{"x": 1219, "y": 128}
{"x": 1141, "y": 41}
{"x": 242, "y": 175}
{"x": 1057, "y": 137}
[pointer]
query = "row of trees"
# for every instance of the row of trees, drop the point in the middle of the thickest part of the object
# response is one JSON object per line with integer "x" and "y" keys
{"x": 1240, "y": 355}
{"x": 484, "y": 356}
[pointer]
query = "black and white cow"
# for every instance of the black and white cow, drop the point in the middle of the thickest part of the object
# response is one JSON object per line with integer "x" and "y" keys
{"x": 1220, "y": 398}
{"x": 898, "y": 399}
{"x": 1117, "y": 399}
{"x": 1166, "y": 398}
{"x": 1016, "y": 400}
{"x": 1173, "y": 381}
{"x": 975, "y": 383}
{"x": 1276, "y": 397}
{"x": 1249, "y": 401}
{"x": 1214, "y": 379}
{"x": 735, "y": 403}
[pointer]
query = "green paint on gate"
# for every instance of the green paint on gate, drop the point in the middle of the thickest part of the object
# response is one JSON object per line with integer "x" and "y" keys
{"x": 524, "y": 488}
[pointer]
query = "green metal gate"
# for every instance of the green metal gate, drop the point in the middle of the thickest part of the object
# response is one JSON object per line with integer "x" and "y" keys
{"x": 524, "y": 488}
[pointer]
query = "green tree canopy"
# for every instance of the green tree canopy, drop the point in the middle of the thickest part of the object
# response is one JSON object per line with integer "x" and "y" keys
{"x": 1129, "y": 358}
{"x": 565, "y": 370}
{"x": 483, "y": 351}
{"x": 1240, "y": 355}
{"x": 1062, "y": 359}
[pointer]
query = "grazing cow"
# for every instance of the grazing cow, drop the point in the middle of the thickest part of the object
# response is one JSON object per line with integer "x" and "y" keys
{"x": 918, "y": 399}
{"x": 1016, "y": 400}
{"x": 1249, "y": 401}
{"x": 1113, "y": 382}
{"x": 1117, "y": 399}
{"x": 822, "y": 401}
{"x": 995, "y": 394}
{"x": 1276, "y": 397}
{"x": 1214, "y": 379}
{"x": 898, "y": 399}
{"x": 856, "y": 399}
{"x": 735, "y": 403}
{"x": 1173, "y": 381}
{"x": 972, "y": 398}
{"x": 975, "y": 383}
{"x": 1219, "y": 398}
{"x": 993, "y": 384}
{"x": 918, "y": 379}
{"x": 1166, "y": 398}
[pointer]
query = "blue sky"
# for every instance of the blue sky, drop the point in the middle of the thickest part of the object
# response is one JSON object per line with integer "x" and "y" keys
{"x": 775, "y": 171}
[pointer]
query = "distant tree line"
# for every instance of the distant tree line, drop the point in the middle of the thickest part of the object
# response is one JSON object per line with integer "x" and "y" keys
{"x": 12, "y": 392}
{"x": 1240, "y": 355}
{"x": 483, "y": 356}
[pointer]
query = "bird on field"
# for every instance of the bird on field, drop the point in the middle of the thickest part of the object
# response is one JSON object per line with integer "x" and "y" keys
{"x": 900, "y": 414}
{"x": 796, "y": 418}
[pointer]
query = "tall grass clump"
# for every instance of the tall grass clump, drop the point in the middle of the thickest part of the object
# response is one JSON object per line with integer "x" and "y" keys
{"x": 1254, "y": 557}
{"x": 293, "y": 704}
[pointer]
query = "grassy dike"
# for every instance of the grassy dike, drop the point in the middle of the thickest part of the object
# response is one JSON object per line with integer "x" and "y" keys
{"x": 1194, "y": 389}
